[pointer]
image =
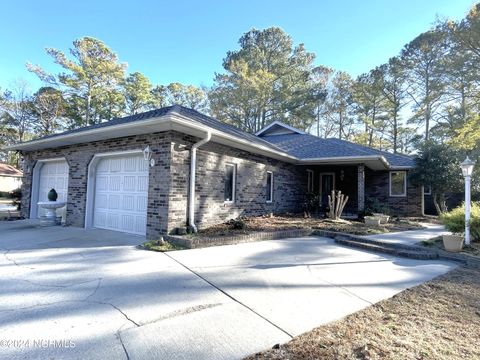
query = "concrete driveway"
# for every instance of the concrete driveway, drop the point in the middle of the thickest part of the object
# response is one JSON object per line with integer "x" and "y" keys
{"x": 68, "y": 293}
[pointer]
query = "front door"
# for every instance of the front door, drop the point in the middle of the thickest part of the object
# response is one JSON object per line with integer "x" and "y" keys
{"x": 327, "y": 184}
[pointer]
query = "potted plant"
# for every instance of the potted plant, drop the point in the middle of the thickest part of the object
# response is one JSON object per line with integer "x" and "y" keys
{"x": 372, "y": 220}
{"x": 454, "y": 222}
{"x": 52, "y": 195}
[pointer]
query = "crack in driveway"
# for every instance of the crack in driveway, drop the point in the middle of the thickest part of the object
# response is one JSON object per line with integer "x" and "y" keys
{"x": 5, "y": 254}
{"x": 230, "y": 296}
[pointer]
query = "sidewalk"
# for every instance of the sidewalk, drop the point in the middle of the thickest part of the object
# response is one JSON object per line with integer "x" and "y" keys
{"x": 411, "y": 237}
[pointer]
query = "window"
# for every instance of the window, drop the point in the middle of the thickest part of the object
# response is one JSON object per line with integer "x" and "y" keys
{"x": 269, "y": 188}
{"x": 398, "y": 183}
{"x": 427, "y": 190}
{"x": 310, "y": 181}
{"x": 230, "y": 174}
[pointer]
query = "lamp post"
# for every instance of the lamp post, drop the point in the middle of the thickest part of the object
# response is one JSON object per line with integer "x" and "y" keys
{"x": 467, "y": 169}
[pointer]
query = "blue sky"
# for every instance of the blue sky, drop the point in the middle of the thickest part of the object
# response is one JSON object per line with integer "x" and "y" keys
{"x": 185, "y": 41}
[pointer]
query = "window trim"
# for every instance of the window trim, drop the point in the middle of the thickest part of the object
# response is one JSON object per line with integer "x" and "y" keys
{"x": 429, "y": 192}
{"x": 404, "y": 194}
{"x": 234, "y": 185}
{"x": 271, "y": 187}
{"x": 310, "y": 180}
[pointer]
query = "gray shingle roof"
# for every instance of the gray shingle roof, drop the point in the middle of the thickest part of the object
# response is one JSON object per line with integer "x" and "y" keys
{"x": 306, "y": 146}
{"x": 116, "y": 121}
{"x": 302, "y": 146}
{"x": 189, "y": 113}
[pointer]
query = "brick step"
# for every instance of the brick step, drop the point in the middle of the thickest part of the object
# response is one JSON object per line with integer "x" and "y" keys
{"x": 392, "y": 249}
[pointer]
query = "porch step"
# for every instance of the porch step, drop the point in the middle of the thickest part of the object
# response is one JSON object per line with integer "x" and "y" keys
{"x": 406, "y": 251}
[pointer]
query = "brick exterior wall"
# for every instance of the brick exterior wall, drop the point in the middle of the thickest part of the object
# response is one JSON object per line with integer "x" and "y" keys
{"x": 289, "y": 181}
{"x": 78, "y": 158}
{"x": 377, "y": 186}
{"x": 169, "y": 180}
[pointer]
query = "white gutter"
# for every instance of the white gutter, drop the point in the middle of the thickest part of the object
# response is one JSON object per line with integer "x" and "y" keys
{"x": 342, "y": 159}
{"x": 193, "y": 166}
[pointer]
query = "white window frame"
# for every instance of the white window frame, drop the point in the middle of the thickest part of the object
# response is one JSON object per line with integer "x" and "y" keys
{"x": 404, "y": 194}
{"x": 429, "y": 188}
{"x": 310, "y": 180}
{"x": 271, "y": 187}
{"x": 233, "y": 183}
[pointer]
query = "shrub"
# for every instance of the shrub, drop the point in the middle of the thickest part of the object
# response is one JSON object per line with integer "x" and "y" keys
{"x": 16, "y": 196}
{"x": 310, "y": 202}
{"x": 454, "y": 220}
{"x": 237, "y": 224}
{"x": 373, "y": 205}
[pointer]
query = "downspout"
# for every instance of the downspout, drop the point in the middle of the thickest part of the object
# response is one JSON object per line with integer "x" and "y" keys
{"x": 193, "y": 166}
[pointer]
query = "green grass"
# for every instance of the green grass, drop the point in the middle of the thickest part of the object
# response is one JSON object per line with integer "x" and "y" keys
{"x": 156, "y": 245}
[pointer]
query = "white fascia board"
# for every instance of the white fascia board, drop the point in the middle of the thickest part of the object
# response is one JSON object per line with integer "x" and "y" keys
{"x": 103, "y": 133}
{"x": 173, "y": 121}
{"x": 347, "y": 159}
{"x": 178, "y": 122}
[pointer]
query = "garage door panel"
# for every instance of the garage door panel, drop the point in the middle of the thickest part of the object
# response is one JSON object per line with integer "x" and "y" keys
{"x": 121, "y": 194}
{"x": 142, "y": 183}
{"x": 101, "y": 201}
{"x": 100, "y": 219}
{"x": 113, "y": 221}
{"x": 101, "y": 183}
{"x": 141, "y": 224}
{"x": 116, "y": 165}
{"x": 129, "y": 183}
{"x": 142, "y": 204}
{"x": 114, "y": 202}
{"x": 115, "y": 183}
{"x": 128, "y": 223}
{"x": 130, "y": 165}
{"x": 129, "y": 202}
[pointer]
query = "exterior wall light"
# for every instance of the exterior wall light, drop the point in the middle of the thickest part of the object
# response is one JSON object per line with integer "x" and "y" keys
{"x": 147, "y": 155}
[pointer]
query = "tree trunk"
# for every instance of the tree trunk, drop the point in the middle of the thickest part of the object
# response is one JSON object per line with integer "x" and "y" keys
{"x": 395, "y": 129}
{"x": 435, "y": 203}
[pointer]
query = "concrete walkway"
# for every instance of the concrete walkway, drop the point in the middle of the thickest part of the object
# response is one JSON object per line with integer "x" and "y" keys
{"x": 412, "y": 237}
{"x": 68, "y": 293}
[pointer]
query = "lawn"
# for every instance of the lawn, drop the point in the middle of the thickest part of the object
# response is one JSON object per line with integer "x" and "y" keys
{"x": 436, "y": 320}
{"x": 161, "y": 246}
{"x": 249, "y": 225}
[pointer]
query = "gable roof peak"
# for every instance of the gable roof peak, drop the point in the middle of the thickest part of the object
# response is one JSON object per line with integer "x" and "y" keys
{"x": 279, "y": 128}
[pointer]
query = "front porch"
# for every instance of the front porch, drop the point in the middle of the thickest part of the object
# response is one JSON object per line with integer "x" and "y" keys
{"x": 349, "y": 179}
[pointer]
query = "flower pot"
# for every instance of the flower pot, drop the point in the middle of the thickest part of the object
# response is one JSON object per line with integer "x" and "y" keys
{"x": 372, "y": 221}
{"x": 453, "y": 243}
{"x": 52, "y": 195}
{"x": 383, "y": 218}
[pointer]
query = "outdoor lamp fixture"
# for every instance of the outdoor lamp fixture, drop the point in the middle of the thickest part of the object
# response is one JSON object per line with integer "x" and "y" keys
{"x": 467, "y": 169}
{"x": 147, "y": 155}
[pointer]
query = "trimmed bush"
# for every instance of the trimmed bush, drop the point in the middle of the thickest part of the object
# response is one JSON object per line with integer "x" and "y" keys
{"x": 454, "y": 220}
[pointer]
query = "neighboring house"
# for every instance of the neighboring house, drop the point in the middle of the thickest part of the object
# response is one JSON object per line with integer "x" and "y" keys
{"x": 10, "y": 178}
{"x": 102, "y": 173}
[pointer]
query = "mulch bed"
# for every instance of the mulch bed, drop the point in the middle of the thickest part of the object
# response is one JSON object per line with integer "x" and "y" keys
{"x": 436, "y": 320}
{"x": 290, "y": 222}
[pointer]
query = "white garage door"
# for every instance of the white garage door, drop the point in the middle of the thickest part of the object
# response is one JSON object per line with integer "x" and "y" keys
{"x": 121, "y": 193}
{"x": 53, "y": 174}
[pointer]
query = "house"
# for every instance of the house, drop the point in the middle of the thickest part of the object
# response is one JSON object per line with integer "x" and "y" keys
{"x": 133, "y": 174}
{"x": 10, "y": 178}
